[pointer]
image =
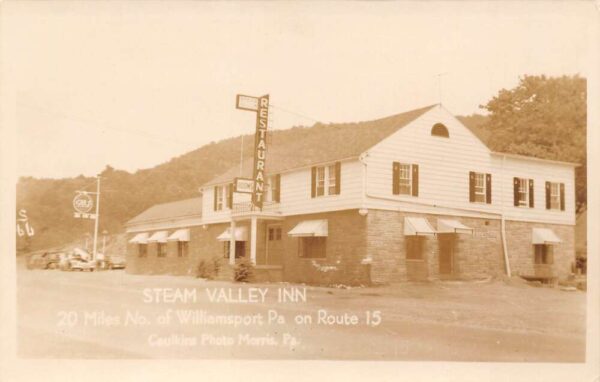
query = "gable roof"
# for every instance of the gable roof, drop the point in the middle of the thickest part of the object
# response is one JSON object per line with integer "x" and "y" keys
{"x": 172, "y": 210}
{"x": 349, "y": 140}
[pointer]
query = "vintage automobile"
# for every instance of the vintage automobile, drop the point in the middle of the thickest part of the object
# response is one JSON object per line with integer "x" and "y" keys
{"x": 46, "y": 260}
{"x": 116, "y": 262}
{"x": 77, "y": 260}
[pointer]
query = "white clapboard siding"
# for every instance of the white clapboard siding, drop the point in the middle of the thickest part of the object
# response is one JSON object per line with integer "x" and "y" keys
{"x": 296, "y": 186}
{"x": 444, "y": 166}
{"x": 295, "y": 194}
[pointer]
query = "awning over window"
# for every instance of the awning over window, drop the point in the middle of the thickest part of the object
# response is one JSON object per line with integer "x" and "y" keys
{"x": 452, "y": 226}
{"x": 310, "y": 228}
{"x": 417, "y": 226}
{"x": 159, "y": 237}
{"x": 180, "y": 235}
{"x": 140, "y": 238}
{"x": 241, "y": 234}
{"x": 544, "y": 236}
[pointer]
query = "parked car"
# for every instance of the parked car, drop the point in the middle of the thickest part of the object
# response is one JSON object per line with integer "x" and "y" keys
{"x": 116, "y": 262}
{"x": 77, "y": 259}
{"x": 46, "y": 260}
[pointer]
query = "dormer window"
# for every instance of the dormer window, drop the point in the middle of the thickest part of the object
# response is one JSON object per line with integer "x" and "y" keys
{"x": 439, "y": 130}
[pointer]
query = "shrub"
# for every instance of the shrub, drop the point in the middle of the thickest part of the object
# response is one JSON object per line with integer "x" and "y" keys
{"x": 244, "y": 271}
{"x": 205, "y": 270}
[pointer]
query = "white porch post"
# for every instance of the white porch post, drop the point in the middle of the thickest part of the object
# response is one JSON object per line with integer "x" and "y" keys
{"x": 253, "y": 230}
{"x": 232, "y": 243}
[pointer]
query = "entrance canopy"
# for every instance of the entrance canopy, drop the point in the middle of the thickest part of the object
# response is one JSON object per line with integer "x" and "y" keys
{"x": 241, "y": 234}
{"x": 140, "y": 238}
{"x": 158, "y": 237}
{"x": 453, "y": 226}
{"x": 308, "y": 228}
{"x": 544, "y": 236}
{"x": 417, "y": 227}
{"x": 180, "y": 235}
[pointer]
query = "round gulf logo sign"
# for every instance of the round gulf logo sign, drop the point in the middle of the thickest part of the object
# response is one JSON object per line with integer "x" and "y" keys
{"x": 83, "y": 203}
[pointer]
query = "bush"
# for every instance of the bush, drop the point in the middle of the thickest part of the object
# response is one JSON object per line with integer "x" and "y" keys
{"x": 205, "y": 270}
{"x": 244, "y": 271}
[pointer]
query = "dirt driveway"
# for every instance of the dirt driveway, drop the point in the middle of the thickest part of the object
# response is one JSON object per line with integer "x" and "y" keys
{"x": 449, "y": 321}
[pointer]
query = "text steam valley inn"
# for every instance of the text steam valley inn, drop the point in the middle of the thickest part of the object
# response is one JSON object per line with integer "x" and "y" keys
{"x": 414, "y": 196}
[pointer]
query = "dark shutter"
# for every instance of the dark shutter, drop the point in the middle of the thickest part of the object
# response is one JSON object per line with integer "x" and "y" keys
{"x": 396, "y": 178}
{"x": 415, "y": 180}
{"x": 338, "y": 178}
{"x": 531, "y": 200}
{"x": 230, "y": 196}
{"x": 471, "y": 186}
{"x": 215, "y": 190}
{"x": 313, "y": 182}
{"x": 488, "y": 188}
{"x": 516, "y": 192}
{"x": 562, "y": 196}
{"x": 548, "y": 195}
{"x": 277, "y": 191}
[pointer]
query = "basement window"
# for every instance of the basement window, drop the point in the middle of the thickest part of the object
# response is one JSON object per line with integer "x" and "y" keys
{"x": 414, "y": 247}
{"x": 312, "y": 247}
{"x": 543, "y": 254}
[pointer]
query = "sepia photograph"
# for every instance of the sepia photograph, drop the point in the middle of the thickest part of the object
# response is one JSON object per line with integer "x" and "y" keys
{"x": 313, "y": 182}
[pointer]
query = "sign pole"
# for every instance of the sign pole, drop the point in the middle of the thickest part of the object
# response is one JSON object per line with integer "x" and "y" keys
{"x": 97, "y": 217}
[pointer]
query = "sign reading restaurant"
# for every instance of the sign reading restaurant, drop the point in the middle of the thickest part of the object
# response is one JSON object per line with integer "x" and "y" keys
{"x": 261, "y": 106}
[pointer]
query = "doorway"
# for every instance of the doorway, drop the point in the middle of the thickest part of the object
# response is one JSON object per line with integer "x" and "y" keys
{"x": 446, "y": 254}
{"x": 274, "y": 245}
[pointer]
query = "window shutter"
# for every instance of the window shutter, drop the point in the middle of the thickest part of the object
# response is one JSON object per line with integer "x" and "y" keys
{"x": 313, "y": 182}
{"x": 215, "y": 190}
{"x": 338, "y": 177}
{"x": 531, "y": 202}
{"x": 516, "y": 192}
{"x": 415, "y": 180}
{"x": 562, "y": 196}
{"x": 230, "y": 196}
{"x": 277, "y": 193}
{"x": 471, "y": 186}
{"x": 396, "y": 178}
{"x": 488, "y": 188}
{"x": 547, "y": 195}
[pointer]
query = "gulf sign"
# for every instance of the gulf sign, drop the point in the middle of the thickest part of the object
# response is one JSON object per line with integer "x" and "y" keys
{"x": 83, "y": 203}
{"x": 261, "y": 106}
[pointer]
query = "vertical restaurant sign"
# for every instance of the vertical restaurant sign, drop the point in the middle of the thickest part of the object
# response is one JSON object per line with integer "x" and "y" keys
{"x": 261, "y": 106}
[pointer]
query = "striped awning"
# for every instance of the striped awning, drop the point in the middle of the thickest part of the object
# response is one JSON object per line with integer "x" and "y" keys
{"x": 180, "y": 235}
{"x": 414, "y": 226}
{"x": 140, "y": 238}
{"x": 544, "y": 236}
{"x": 158, "y": 237}
{"x": 241, "y": 234}
{"x": 308, "y": 228}
{"x": 453, "y": 226}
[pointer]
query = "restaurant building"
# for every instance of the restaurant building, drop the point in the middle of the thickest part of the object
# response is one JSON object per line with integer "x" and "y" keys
{"x": 414, "y": 196}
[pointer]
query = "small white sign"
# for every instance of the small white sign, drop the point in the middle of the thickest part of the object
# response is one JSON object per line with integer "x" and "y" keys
{"x": 245, "y": 102}
{"x": 243, "y": 185}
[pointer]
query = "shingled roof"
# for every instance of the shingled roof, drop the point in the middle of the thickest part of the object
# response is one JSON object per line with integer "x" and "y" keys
{"x": 348, "y": 140}
{"x": 172, "y": 210}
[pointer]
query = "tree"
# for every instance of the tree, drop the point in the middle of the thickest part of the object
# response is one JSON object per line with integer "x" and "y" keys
{"x": 543, "y": 117}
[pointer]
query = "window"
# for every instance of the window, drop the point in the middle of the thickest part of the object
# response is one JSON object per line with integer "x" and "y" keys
{"x": 161, "y": 249}
{"x": 523, "y": 192}
{"x": 554, "y": 196}
{"x": 142, "y": 250}
{"x": 543, "y": 254}
{"x": 274, "y": 233}
{"x": 479, "y": 188}
{"x": 439, "y": 130}
{"x": 414, "y": 247}
{"x": 326, "y": 180}
{"x": 312, "y": 247}
{"x": 240, "y": 249}
{"x": 404, "y": 179}
{"x": 219, "y": 195}
{"x": 273, "y": 188}
{"x": 182, "y": 248}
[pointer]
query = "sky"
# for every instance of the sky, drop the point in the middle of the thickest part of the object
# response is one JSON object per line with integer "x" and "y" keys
{"x": 134, "y": 84}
